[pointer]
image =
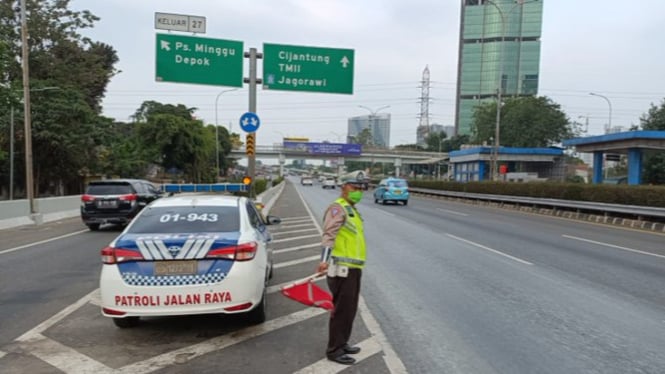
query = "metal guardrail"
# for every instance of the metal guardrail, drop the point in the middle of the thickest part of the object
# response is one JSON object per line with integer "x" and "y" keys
{"x": 639, "y": 212}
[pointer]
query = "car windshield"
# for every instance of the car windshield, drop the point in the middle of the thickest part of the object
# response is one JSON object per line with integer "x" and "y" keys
{"x": 187, "y": 219}
{"x": 398, "y": 184}
{"x": 109, "y": 189}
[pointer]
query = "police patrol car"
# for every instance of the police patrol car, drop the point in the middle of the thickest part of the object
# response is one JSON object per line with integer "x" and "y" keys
{"x": 183, "y": 255}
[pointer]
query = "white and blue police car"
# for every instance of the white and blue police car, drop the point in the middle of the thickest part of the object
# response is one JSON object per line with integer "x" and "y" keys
{"x": 184, "y": 255}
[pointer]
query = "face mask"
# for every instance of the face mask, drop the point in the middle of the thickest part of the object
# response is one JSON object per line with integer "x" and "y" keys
{"x": 355, "y": 196}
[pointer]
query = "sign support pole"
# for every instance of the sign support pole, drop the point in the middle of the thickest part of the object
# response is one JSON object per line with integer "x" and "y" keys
{"x": 253, "y": 55}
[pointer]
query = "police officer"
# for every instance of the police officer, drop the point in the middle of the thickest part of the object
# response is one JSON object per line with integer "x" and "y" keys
{"x": 343, "y": 257}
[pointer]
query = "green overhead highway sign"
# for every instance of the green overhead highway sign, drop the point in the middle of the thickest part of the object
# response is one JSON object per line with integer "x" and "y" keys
{"x": 189, "y": 59}
{"x": 296, "y": 68}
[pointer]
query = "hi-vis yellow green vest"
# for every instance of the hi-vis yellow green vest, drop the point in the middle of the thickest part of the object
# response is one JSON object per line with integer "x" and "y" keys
{"x": 349, "y": 247}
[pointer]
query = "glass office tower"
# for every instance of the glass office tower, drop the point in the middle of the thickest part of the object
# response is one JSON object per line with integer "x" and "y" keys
{"x": 379, "y": 126}
{"x": 492, "y": 31}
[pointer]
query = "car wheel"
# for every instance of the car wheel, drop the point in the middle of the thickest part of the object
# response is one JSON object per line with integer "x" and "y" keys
{"x": 258, "y": 315}
{"x": 383, "y": 200}
{"x": 272, "y": 266}
{"x": 93, "y": 226}
{"x": 405, "y": 201}
{"x": 376, "y": 201}
{"x": 127, "y": 322}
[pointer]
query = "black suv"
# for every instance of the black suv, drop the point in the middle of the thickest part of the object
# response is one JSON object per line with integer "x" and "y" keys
{"x": 115, "y": 201}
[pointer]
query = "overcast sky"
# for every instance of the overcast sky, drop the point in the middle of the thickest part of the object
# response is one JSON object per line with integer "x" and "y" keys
{"x": 612, "y": 47}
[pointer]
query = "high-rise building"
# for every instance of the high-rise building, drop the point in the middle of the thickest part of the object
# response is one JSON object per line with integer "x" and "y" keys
{"x": 378, "y": 125}
{"x": 424, "y": 131}
{"x": 497, "y": 38}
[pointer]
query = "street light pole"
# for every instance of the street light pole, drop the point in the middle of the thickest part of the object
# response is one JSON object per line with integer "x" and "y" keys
{"x": 497, "y": 127}
{"x": 372, "y": 118}
{"x": 609, "y": 123}
{"x": 217, "y": 132}
{"x": 438, "y": 163}
{"x": 586, "y": 123}
{"x": 29, "y": 184}
{"x": 11, "y": 151}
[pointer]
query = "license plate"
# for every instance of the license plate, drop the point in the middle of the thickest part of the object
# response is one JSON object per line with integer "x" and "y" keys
{"x": 398, "y": 192}
{"x": 176, "y": 267}
{"x": 107, "y": 204}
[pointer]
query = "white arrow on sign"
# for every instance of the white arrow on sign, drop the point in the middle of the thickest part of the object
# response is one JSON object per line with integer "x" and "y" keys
{"x": 345, "y": 61}
{"x": 248, "y": 121}
{"x": 166, "y": 45}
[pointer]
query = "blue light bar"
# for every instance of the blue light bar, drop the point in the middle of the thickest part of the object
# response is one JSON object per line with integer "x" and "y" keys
{"x": 216, "y": 187}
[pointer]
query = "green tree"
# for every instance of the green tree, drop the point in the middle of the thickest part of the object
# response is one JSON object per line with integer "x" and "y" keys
{"x": 62, "y": 124}
{"x": 409, "y": 147}
{"x": 435, "y": 141}
{"x": 454, "y": 143}
{"x": 151, "y": 108}
{"x": 226, "y": 144}
{"x": 654, "y": 161}
{"x": 171, "y": 138}
{"x": 525, "y": 122}
{"x": 654, "y": 119}
{"x": 363, "y": 138}
{"x": 81, "y": 70}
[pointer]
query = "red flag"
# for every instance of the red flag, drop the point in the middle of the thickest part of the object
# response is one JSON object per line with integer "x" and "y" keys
{"x": 306, "y": 292}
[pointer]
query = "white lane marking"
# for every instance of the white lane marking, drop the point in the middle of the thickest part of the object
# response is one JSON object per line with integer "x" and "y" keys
{"x": 368, "y": 347}
{"x": 62, "y": 357}
{"x": 293, "y": 226}
{"x": 293, "y": 231}
{"x": 42, "y": 242}
{"x": 295, "y": 238}
{"x": 392, "y": 360}
{"x": 96, "y": 298}
{"x": 291, "y": 249}
{"x": 613, "y": 246}
{"x": 57, "y": 317}
{"x": 452, "y": 212}
{"x": 295, "y": 223}
{"x": 300, "y": 218}
{"x": 489, "y": 249}
{"x": 296, "y": 262}
{"x": 390, "y": 357}
{"x": 2, "y": 354}
{"x": 172, "y": 358}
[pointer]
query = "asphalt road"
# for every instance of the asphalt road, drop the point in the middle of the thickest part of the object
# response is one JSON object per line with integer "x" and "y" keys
{"x": 455, "y": 288}
{"x": 40, "y": 280}
{"x": 460, "y": 288}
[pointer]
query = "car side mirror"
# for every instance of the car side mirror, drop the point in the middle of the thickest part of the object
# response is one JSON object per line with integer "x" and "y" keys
{"x": 273, "y": 220}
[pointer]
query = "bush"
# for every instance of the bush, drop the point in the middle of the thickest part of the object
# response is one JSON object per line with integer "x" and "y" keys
{"x": 601, "y": 193}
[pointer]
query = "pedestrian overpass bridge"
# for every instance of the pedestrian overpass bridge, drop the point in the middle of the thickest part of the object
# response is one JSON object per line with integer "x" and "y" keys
{"x": 368, "y": 154}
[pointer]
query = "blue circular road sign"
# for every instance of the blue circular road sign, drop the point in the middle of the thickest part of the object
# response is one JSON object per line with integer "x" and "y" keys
{"x": 249, "y": 122}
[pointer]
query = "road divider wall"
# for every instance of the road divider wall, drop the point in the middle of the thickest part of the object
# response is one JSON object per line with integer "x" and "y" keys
{"x": 15, "y": 213}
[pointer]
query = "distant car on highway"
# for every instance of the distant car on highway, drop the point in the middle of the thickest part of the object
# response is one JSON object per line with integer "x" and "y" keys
{"x": 329, "y": 183}
{"x": 115, "y": 201}
{"x": 185, "y": 255}
{"x": 307, "y": 181}
{"x": 392, "y": 189}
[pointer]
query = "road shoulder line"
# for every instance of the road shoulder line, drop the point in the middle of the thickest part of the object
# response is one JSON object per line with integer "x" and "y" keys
{"x": 42, "y": 242}
{"x": 489, "y": 249}
{"x": 37, "y": 330}
{"x": 613, "y": 246}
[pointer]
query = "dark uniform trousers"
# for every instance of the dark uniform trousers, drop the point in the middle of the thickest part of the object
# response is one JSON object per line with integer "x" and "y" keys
{"x": 345, "y": 293}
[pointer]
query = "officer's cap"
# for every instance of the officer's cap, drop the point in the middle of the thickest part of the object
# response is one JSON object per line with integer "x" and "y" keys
{"x": 353, "y": 181}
